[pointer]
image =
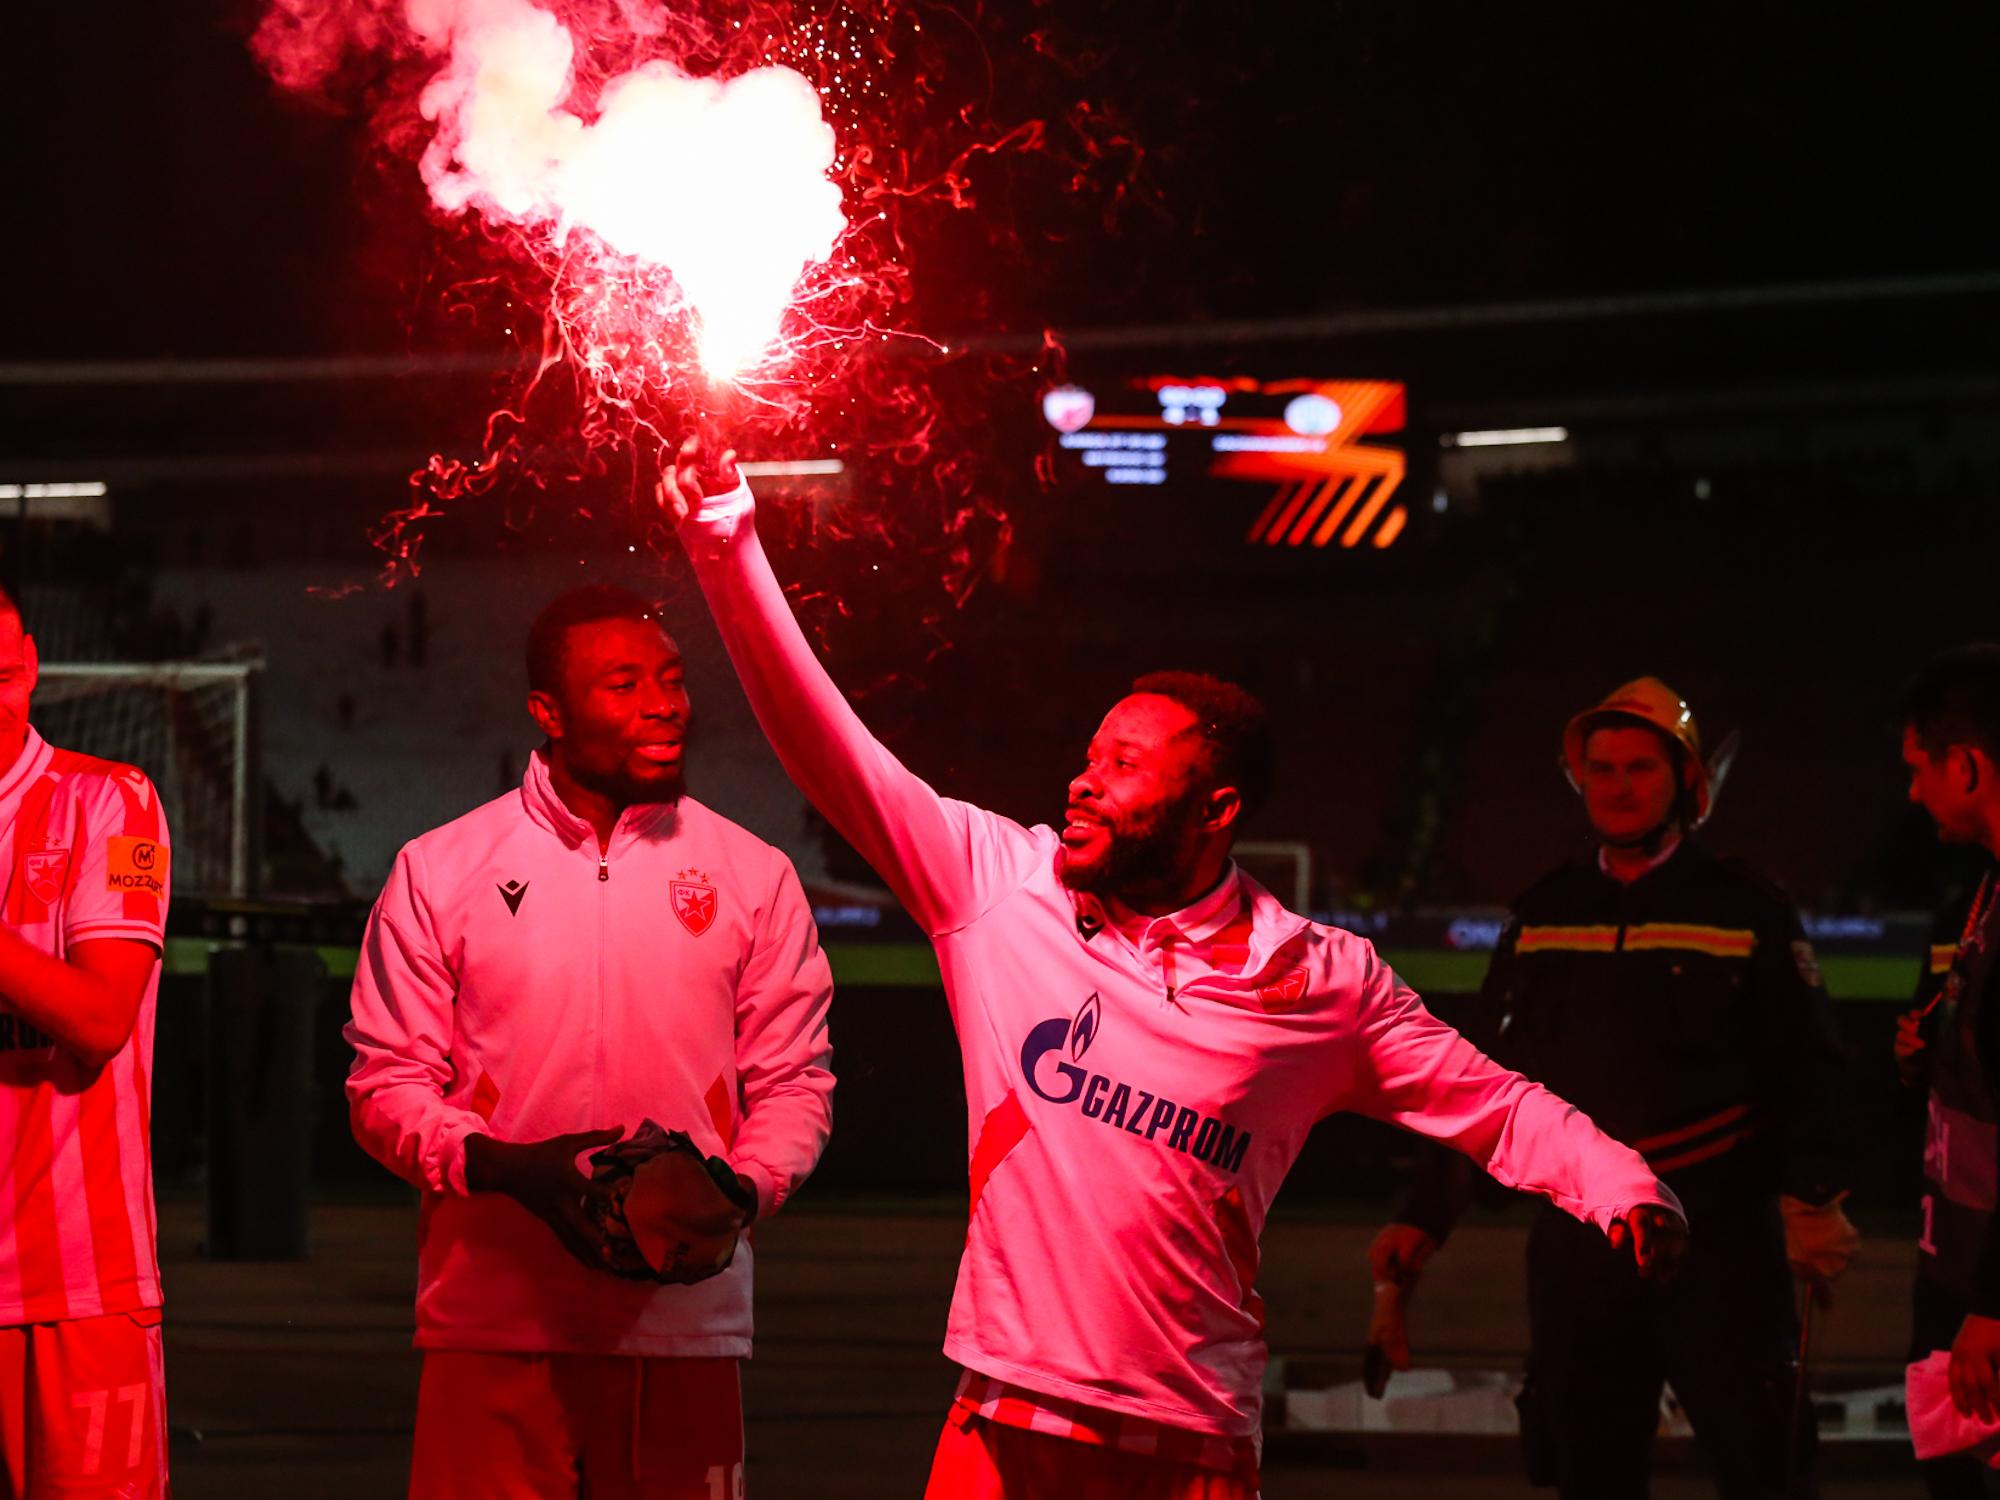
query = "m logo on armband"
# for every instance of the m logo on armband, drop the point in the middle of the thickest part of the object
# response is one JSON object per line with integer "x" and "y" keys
{"x": 136, "y": 865}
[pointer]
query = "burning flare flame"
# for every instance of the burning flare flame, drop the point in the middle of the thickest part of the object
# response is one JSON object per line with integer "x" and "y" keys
{"x": 722, "y": 183}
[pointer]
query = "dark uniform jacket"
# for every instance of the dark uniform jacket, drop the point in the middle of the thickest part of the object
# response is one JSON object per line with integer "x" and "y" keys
{"x": 1683, "y": 1013}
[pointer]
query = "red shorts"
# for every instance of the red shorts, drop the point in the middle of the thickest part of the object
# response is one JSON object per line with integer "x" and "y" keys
{"x": 982, "y": 1460}
{"x": 613, "y": 1427}
{"x": 83, "y": 1408}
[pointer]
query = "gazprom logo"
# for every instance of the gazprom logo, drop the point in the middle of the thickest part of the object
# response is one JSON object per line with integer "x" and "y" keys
{"x": 1124, "y": 1107}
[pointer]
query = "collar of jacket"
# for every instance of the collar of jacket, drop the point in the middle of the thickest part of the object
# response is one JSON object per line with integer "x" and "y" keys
{"x": 545, "y": 806}
{"x": 1273, "y": 925}
{"x": 1685, "y": 854}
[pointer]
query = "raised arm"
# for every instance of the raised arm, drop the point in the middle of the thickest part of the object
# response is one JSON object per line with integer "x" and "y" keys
{"x": 946, "y": 861}
{"x": 784, "y": 1075}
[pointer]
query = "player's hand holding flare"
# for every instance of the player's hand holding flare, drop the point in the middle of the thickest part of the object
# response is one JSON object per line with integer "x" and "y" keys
{"x": 694, "y": 480}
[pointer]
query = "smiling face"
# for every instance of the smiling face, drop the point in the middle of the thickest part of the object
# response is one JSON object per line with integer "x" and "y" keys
{"x": 618, "y": 723}
{"x": 1141, "y": 810}
{"x": 1630, "y": 783}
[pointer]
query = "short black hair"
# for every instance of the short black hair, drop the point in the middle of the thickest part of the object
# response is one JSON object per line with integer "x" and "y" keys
{"x": 1233, "y": 724}
{"x": 1955, "y": 700}
{"x": 586, "y": 604}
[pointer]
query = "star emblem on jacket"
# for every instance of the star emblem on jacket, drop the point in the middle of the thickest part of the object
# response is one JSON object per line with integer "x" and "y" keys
{"x": 692, "y": 895}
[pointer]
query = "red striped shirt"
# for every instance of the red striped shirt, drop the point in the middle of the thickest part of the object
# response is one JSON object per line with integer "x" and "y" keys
{"x": 1012, "y": 1406}
{"x": 84, "y": 856}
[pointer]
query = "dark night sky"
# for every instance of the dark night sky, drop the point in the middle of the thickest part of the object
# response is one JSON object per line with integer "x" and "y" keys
{"x": 1295, "y": 158}
{"x": 1298, "y": 157}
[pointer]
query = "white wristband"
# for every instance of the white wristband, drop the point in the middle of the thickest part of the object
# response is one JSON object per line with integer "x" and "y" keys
{"x": 720, "y": 517}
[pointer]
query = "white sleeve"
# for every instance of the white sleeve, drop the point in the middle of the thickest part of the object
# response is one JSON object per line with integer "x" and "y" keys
{"x": 401, "y": 1032}
{"x": 1420, "y": 1074}
{"x": 946, "y": 861}
{"x": 784, "y": 1074}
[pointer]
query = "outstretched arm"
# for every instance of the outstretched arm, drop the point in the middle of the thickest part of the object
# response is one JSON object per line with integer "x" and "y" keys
{"x": 1424, "y": 1076}
{"x": 945, "y": 861}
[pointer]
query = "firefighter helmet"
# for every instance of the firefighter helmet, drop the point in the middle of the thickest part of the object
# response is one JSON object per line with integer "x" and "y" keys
{"x": 1650, "y": 702}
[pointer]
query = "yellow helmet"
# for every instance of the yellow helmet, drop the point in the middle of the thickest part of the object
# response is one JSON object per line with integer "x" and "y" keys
{"x": 1651, "y": 702}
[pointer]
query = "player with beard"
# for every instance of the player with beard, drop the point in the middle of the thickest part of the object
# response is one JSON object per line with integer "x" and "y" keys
{"x": 1673, "y": 996}
{"x": 591, "y": 951}
{"x": 1147, "y": 1037}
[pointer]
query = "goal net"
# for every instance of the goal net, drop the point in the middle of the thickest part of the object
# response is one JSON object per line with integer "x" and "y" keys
{"x": 187, "y": 725}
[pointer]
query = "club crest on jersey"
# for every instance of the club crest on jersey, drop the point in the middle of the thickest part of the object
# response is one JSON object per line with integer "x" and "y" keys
{"x": 692, "y": 896}
{"x": 1109, "y": 1101}
{"x": 1287, "y": 992}
{"x": 45, "y": 870}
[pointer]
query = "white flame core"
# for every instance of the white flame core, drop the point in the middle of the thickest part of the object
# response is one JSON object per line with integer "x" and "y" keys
{"x": 722, "y": 182}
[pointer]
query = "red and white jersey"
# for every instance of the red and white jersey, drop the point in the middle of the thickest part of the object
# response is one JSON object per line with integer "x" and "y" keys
{"x": 1126, "y": 1137}
{"x": 516, "y": 982}
{"x": 85, "y": 857}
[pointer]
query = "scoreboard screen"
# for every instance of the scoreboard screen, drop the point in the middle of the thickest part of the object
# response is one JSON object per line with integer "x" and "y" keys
{"x": 1315, "y": 446}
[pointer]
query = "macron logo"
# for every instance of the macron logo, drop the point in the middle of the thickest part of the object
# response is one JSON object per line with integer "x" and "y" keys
{"x": 511, "y": 893}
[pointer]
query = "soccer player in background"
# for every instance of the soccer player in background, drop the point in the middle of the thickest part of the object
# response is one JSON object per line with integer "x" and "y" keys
{"x": 590, "y": 951}
{"x": 1147, "y": 1036}
{"x": 82, "y": 924}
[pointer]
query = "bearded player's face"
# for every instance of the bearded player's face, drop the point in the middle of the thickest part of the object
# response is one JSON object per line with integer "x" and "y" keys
{"x": 1135, "y": 811}
{"x": 623, "y": 711}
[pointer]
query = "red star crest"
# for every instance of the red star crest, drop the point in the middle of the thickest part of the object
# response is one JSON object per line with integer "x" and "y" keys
{"x": 45, "y": 871}
{"x": 693, "y": 901}
{"x": 1286, "y": 993}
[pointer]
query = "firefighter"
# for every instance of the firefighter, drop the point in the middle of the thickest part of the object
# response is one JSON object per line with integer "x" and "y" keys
{"x": 1673, "y": 997}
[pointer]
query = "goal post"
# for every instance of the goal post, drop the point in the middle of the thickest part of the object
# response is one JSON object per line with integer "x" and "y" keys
{"x": 190, "y": 726}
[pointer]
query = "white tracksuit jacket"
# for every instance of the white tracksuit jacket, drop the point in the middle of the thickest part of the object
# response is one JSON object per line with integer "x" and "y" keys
{"x": 515, "y": 983}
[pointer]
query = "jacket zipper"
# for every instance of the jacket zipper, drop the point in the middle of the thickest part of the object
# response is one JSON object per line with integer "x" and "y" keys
{"x": 597, "y": 1019}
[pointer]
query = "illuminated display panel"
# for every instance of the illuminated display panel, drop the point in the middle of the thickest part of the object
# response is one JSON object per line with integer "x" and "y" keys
{"x": 1315, "y": 446}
